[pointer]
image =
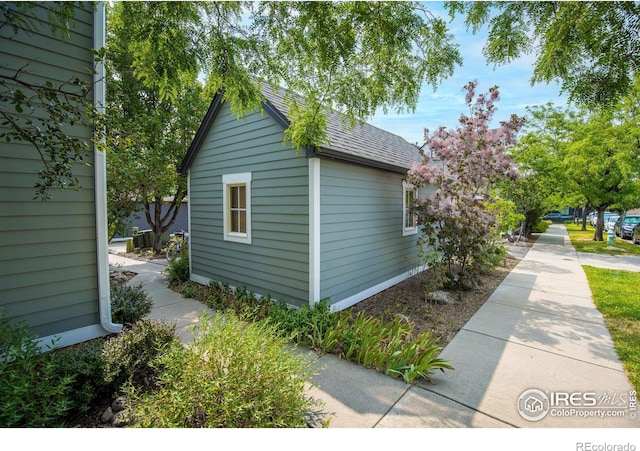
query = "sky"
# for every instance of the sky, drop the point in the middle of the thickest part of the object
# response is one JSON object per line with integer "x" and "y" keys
{"x": 444, "y": 106}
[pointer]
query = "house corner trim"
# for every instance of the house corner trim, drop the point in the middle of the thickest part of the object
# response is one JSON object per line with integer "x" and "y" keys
{"x": 314, "y": 230}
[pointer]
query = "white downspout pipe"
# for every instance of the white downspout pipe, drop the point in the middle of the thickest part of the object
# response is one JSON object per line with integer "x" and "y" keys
{"x": 100, "y": 172}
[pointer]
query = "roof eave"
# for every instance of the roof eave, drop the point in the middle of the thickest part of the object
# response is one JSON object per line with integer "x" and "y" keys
{"x": 201, "y": 134}
{"x": 203, "y": 130}
{"x": 337, "y": 155}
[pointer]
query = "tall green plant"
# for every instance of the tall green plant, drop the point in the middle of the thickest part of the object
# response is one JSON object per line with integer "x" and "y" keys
{"x": 234, "y": 374}
{"x": 34, "y": 392}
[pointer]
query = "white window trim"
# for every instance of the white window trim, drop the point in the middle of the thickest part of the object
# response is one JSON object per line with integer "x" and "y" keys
{"x": 243, "y": 178}
{"x": 408, "y": 187}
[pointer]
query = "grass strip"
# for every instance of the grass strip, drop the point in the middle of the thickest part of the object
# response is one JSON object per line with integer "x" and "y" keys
{"x": 583, "y": 242}
{"x": 617, "y": 295}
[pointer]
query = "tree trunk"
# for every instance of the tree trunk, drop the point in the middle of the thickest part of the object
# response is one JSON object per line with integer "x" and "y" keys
{"x": 584, "y": 217}
{"x": 599, "y": 224}
{"x": 159, "y": 223}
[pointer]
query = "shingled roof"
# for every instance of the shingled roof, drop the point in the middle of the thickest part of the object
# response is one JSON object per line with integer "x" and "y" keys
{"x": 364, "y": 143}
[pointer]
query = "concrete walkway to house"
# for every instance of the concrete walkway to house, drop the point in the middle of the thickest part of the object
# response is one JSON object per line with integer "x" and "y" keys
{"x": 538, "y": 333}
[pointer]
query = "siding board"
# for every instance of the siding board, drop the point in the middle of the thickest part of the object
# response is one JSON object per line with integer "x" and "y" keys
{"x": 361, "y": 237}
{"x": 276, "y": 262}
{"x": 48, "y": 268}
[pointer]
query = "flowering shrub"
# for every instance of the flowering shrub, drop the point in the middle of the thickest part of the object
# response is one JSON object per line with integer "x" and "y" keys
{"x": 459, "y": 233}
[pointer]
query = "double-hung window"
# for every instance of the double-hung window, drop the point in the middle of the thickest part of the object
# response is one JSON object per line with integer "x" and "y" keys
{"x": 409, "y": 220}
{"x": 237, "y": 207}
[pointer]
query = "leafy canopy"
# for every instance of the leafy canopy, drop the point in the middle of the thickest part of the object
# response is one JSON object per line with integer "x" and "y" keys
{"x": 591, "y": 48}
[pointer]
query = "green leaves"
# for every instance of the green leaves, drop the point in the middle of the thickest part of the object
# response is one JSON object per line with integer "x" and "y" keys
{"x": 591, "y": 48}
{"x": 356, "y": 57}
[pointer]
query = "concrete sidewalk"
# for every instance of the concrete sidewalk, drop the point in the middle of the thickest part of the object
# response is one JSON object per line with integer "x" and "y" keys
{"x": 539, "y": 330}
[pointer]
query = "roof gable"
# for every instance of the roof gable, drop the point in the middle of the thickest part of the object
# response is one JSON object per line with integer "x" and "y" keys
{"x": 363, "y": 144}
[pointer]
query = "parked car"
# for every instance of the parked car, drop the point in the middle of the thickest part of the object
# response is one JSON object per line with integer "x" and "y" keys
{"x": 556, "y": 216}
{"x": 636, "y": 234}
{"x": 610, "y": 224}
{"x": 594, "y": 218}
{"x": 625, "y": 224}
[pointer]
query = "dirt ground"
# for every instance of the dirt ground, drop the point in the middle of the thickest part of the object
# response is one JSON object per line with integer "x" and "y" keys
{"x": 408, "y": 299}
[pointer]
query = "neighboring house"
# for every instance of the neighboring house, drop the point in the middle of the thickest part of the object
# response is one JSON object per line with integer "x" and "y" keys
{"x": 332, "y": 224}
{"x": 139, "y": 219}
{"x": 54, "y": 271}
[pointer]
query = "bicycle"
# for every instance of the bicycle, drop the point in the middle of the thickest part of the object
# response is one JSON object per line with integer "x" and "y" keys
{"x": 176, "y": 244}
{"x": 514, "y": 236}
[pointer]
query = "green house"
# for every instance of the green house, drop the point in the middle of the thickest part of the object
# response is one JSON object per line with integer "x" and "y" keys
{"x": 332, "y": 224}
{"x": 54, "y": 270}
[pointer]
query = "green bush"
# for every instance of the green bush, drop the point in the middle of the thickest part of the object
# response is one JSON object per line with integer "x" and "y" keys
{"x": 541, "y": 226}
{"x": 386, "y": 347}
{"x": 234, "y": 374}
{"x": 178, "y": 270}
{"x": 42, "y": 389}
{"x": 129, "y": 358}
{"x": 129, "y": 304}
{"x": 84, "y": 362}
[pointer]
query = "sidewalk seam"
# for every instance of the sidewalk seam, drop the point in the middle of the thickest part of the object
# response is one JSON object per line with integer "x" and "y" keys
{"x": 392, "y": 406}
{"x": 466, "y": 405}
{"x": 546, "y": 351}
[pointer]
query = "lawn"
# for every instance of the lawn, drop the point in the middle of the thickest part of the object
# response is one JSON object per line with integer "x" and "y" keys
{"x": 583, "y": 242}
{"x": 617, "y": 295}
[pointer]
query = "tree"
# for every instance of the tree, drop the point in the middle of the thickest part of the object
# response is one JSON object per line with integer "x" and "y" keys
{"x": 602, "y": 166}
{"x": 591, "y": 158}
{"x": 154, "y": 107}
{"x": 354, "y": 57}
{"x": 464, "y": 165}
{"x": 591, "y": 48}
{"x": 539, "y": 185}
{"x": 44, "y": 114}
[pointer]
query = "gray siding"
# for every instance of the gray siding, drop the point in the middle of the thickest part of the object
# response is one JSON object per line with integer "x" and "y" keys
{"x": 48, "y": 272}
{"x": 361, "y": 239}
{"x": 277, "y": 260}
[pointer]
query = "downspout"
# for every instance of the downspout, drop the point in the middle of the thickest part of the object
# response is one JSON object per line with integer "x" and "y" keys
{"x": 100, "y": 173}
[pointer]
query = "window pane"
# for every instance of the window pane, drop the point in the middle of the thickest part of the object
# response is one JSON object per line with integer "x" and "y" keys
{"x": 243, "y": 221}
{"x": 234, "y": 196}
{"x": 242, "y": 194}
{"x": 234, "y": 221}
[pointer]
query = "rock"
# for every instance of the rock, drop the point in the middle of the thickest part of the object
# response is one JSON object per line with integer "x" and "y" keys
{"x": 121, "y": 419}
{"x": 119, "y": 404}
{"x": 440, "y": 297}
{"x": 107, "y": 416}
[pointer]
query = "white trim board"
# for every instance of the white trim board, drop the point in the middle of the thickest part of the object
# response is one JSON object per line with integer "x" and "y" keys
{"x": 314, "y": 230}
{"x": 71, "y": 337}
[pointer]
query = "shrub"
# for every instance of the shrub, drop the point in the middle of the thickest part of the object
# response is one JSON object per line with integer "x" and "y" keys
{"x": 129, "y": 304}
{"x": 84, "y": 362}
{"x": 471, "y": 160}
{"x": 234, "y": 374}
{"x": 178, "y": 270}
{"x": 387, "y": 347}
{"x": 129, "y": 358}
{"x": 34, "y": 391}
